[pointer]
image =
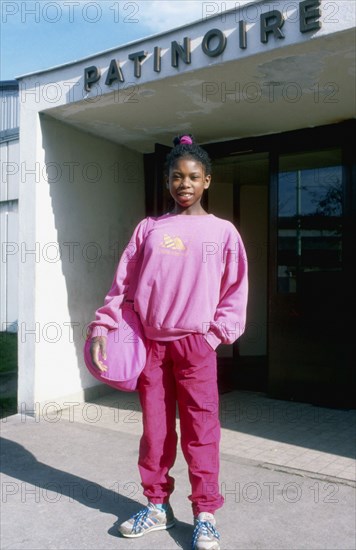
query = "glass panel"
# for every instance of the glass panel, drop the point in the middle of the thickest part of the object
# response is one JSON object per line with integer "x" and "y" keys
{"x": 309, "y": 216}
{"x": 315, "y": 192}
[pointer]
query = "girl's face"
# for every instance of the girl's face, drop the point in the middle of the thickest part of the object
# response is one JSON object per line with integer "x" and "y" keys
{"x": 186, "y": 182}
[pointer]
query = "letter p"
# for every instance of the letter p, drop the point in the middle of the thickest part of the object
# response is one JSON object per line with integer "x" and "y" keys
{"x": 208, "y": 89}
{"x": 91, "y": 75}
{"x": 209, "y": 249}
{"x": 9, "y": 169}
{"x": 9, "y": 488}
{"x": 209, "y": 8}
{"x": 8, "y": 249}
{"x": 8, "y": 8}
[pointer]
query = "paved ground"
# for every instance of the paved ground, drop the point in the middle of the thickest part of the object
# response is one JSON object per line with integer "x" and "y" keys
{"x": 287, "y": 474}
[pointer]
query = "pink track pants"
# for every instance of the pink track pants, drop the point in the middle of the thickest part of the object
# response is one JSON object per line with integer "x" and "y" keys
{"x": 182, "y": 371}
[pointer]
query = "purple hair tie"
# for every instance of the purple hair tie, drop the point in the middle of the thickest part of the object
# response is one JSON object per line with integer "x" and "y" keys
{"x": 186, "y": 140}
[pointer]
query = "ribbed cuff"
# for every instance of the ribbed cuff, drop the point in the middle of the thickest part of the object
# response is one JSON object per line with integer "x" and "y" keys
{"x": 212, "y": 339}
{"x": 99, "y": 331}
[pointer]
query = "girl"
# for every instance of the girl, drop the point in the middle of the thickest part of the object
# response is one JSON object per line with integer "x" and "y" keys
{"x": 191, "y": 296}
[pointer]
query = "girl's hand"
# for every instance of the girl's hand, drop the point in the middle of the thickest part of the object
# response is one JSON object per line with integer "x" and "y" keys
{"x": 98, "y": 344}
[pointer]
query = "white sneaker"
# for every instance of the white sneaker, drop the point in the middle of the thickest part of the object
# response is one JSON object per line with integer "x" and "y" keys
{"x": 150, "y": 518}
{"x": 205, "y": 536}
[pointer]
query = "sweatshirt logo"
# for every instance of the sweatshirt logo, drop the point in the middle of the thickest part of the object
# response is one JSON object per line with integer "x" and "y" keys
{"x": 172, "y": 243}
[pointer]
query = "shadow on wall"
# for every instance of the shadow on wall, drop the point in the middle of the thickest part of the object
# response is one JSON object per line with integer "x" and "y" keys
{"x": 95, "y": 199}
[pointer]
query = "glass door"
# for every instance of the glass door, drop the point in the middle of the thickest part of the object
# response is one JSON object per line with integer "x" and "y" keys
{"x": 307, "y": 288}
{"x": 310, "y": 209}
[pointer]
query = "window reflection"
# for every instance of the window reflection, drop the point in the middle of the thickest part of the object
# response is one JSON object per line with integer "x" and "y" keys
{"x": 316, "y": 192}
{"x": 309, "y": 216}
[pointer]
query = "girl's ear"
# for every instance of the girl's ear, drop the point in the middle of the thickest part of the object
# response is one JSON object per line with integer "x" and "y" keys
{"x": 207, "y": 181}
{"x": 167, "y": 181}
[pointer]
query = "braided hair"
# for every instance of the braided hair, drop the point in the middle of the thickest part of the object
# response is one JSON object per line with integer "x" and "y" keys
{"x": 186, "y": 147}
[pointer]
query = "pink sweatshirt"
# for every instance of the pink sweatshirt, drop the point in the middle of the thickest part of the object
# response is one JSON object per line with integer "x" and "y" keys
{"x": 193, "y": 279}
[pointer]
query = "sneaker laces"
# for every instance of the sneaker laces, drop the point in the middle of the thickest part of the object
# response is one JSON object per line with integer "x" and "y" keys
{"x": 203, "y": 528}
{"x": 140, "y": 518}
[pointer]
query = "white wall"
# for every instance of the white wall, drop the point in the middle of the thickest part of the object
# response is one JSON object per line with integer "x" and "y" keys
{"x": 78, "y": 210}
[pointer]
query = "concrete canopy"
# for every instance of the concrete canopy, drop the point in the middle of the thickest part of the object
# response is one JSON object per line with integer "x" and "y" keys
{"x": 300, "y": 86}
{"x": 304, "y": 80}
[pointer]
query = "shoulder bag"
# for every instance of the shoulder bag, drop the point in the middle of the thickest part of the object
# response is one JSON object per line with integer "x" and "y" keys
{"x": 125, "y": 345}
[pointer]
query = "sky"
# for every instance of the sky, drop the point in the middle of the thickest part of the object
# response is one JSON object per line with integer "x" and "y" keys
{"x": 39, "y": 34}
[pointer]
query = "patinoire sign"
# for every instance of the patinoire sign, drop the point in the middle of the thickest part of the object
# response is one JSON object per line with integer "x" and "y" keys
{"x": 213, "y": 44}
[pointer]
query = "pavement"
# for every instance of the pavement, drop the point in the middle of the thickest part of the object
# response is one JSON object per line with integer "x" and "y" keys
{"x": 288, "y": 474}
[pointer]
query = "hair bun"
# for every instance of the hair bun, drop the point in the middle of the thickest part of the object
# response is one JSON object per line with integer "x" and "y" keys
{"x": 185, "y": 139}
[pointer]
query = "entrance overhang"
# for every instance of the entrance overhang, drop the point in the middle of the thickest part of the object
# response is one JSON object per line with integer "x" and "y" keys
{"x": 296, "y": 81}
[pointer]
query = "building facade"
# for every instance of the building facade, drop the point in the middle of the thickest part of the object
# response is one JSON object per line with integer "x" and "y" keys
{"x": 269, "y": 90}
{"x": 9, "y": 195}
